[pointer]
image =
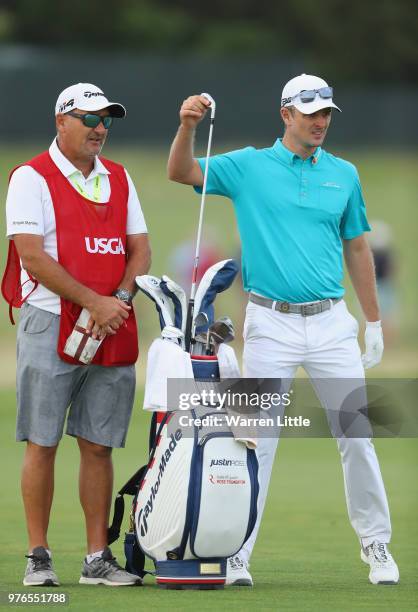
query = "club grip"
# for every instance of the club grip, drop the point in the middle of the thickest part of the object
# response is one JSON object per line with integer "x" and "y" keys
{"x": 212, "y": 104}
{"x": 189, "y": 322}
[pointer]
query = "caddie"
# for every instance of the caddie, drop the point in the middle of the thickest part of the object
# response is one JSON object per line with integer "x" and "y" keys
{"x": 77, "y": 240}
{"x": 299, "y": 209}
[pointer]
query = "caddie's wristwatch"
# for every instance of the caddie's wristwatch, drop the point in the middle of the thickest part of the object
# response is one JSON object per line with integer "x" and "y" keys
{"x": 124, "y": 295}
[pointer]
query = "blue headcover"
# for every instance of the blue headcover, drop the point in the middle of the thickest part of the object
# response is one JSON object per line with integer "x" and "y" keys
{"x": 216, "y": 279}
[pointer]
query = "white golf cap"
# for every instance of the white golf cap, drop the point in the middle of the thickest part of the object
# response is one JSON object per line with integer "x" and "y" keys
{"x": 86, "y": 97}
{"x": 306, "y": 82}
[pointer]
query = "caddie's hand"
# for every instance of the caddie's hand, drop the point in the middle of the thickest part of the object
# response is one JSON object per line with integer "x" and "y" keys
{"x": 107, "y": 312}
{"x": 105, "y": 331}
{"x": 193, "y": 110}
{"x": 373, "y": 339}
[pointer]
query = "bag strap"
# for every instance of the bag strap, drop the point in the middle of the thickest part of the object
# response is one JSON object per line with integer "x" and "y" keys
{"x": 130, "y": 488}
{"x": 135, "y": 557}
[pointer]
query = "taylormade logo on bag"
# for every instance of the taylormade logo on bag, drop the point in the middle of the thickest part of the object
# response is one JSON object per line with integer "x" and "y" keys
{"x": 149, "y": 506}
{"x": 114, "y": 246}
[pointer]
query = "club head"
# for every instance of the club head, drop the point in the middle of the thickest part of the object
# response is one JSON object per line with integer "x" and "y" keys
{"x": 200, "y": 344}
{"x": 222, "y": 330}
{"x": 200, "y": 320}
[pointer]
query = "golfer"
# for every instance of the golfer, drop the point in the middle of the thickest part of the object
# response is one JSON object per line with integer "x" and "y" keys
{"x": 75, "y": 222}
{"x": 299, "y": 209}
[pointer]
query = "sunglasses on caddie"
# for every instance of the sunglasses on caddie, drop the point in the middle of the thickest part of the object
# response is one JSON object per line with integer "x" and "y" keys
{"x": 309, "y": 95}
{"x": 92, "y": 121}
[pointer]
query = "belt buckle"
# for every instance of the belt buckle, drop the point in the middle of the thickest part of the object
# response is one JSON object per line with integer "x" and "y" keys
{"x": 284, "y": 307}
{"x": 305, "y": 310}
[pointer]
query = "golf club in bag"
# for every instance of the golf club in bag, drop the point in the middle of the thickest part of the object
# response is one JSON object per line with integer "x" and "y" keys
{"x": 195, "y": 501}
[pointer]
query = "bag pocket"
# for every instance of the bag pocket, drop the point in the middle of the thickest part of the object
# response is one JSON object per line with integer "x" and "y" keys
{"x": 225, "y": 499}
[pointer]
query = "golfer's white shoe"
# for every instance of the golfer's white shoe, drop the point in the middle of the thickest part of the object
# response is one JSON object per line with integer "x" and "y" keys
{"x": 237, "y": 573}
{"x": 383, "y": 569}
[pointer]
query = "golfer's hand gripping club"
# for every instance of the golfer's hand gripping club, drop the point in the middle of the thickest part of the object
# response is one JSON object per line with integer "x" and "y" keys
{"x": 212, "y": 104}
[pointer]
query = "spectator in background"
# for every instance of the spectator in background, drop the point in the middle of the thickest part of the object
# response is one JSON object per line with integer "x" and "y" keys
{"x": 181, "y": 258}
{"x": 381, "y": 244}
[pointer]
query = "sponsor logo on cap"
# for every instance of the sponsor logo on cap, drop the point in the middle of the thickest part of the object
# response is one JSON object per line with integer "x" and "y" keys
{"x": 66, "y": 105}
{"x": 93, "y": 94}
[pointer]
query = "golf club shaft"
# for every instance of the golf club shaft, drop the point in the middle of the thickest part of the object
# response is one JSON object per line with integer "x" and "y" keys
{"x": 190, "y": 309}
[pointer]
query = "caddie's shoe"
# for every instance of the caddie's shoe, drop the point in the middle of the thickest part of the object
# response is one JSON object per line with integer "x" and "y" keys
{"x": 39, "y": 570}
{"x": 237, "y": 573}
{"x": 383, "y": 569}
{"x": 106, "y": 570}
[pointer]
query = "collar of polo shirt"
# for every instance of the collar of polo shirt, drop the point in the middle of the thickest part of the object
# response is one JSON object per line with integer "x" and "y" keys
{"x": 289, "y": 157}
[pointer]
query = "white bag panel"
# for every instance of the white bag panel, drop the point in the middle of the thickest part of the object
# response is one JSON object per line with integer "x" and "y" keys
{"x": 161, "y": 503}
{"x": 225, "y": 501}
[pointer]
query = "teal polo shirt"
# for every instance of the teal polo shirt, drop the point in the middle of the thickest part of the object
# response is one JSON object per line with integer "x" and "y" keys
{"x": 292, "y": 215}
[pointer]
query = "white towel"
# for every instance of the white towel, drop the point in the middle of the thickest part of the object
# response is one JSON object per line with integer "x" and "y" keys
{"x": 228, "y": 363}
{"x": 229, "y": 368}
{"x": 166, "y": 359}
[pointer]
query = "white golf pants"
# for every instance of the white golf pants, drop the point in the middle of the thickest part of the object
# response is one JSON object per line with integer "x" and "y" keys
{"x": 326, "y": 346}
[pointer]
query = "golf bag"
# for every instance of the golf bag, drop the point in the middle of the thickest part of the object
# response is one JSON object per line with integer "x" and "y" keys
{"x": 195, "y": 502}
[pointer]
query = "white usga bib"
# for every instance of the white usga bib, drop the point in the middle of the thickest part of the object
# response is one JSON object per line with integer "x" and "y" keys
{"x": 198, "y": 498}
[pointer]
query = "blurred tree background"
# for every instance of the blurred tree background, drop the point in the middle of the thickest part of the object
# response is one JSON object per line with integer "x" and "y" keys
{"x": 361, "y": 41}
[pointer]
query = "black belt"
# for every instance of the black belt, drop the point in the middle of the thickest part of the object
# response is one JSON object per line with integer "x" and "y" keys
{"x": 306, "y": 310}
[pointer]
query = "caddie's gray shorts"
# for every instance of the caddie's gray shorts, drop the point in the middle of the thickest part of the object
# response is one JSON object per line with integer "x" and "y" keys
{"x": 100, "y": 399}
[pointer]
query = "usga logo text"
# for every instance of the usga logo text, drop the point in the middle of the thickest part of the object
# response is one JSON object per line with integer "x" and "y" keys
{"x": 114, "y": 246}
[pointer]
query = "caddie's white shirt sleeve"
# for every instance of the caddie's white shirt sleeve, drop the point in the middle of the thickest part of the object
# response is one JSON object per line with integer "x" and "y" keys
{"x": 136, "y": 222}
{"x": 25, "y": 202}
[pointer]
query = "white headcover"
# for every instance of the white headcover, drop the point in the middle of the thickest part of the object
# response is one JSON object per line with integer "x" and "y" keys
{"x": 151, "y": 286}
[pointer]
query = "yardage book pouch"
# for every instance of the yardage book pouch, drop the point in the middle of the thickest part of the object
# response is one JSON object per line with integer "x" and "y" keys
{"x": 196, "y": 500}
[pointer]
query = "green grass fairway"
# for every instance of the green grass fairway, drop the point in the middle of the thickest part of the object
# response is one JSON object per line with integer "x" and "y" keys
{"x": 306, "y": 558}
